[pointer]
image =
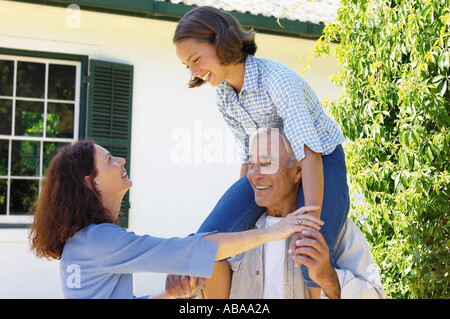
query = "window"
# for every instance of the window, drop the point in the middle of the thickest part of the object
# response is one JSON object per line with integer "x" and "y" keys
{"x": 49, "y": 100}
{"x": 39, "y": 109}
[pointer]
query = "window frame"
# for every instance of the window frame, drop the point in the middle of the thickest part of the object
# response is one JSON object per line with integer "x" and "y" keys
{"x": 82, "y": 62}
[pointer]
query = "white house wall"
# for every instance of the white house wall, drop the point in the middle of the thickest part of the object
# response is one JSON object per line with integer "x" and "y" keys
{"x": 171, "y": 195}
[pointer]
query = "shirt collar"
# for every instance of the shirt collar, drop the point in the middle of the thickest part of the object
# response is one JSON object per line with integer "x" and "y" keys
{"x": 251, "y": 77}
{"x": 261, "y": 222}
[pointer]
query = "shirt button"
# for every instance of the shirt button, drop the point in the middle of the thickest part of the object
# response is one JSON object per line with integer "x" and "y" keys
{"x": 257, "y": 272}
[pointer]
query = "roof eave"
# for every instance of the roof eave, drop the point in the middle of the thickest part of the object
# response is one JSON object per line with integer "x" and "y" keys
{"x": 173, "y": 12}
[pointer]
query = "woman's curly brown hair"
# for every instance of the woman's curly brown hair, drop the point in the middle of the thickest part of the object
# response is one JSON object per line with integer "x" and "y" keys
{"x": 68, "y": 202}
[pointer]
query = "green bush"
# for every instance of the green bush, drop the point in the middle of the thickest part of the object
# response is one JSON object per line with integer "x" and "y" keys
{"x": 395, "y": 112}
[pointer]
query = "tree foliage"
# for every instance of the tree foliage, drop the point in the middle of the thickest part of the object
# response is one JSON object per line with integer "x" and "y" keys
{"x": 395, "y": 112}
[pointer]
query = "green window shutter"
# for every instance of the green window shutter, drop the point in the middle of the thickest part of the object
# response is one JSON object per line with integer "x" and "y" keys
{"x": 109, "y": 113}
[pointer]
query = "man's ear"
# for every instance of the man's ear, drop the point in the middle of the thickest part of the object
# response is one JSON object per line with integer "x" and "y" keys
{"x": 298, "y": 173}
{"x": 91, "y": 184}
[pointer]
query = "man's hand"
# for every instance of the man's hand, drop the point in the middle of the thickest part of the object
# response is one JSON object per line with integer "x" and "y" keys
{"x": 180, "y": 286}
{"x": 316, "y": 225}
{"x": 313, "y": 252}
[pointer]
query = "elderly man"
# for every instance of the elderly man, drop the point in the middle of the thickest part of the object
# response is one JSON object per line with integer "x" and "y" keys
{"x": 270, "y": 271}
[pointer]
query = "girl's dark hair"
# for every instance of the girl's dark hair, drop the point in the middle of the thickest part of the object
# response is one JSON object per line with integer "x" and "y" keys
{"x": 211, "y": 25}
{"x": 68, "y": 202}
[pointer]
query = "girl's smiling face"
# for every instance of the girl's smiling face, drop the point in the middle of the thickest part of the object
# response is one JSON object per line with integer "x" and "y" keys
{"x": 202, "y": 61}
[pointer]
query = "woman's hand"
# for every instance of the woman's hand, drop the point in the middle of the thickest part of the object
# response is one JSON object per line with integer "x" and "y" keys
{"x": 295, "y": 222}
{"x": 230, "y": 244}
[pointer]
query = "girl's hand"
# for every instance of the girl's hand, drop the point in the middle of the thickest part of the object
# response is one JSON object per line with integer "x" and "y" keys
{"x": 295, "y": 222}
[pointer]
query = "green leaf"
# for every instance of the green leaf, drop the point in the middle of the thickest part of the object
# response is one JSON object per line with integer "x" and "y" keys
{"x": 428, "y": 154}
{"x": 444, "y": 60}
{"x": 437, "y": 79}
{"x": 415, "y": 136}
{"x": 442, "y": 87}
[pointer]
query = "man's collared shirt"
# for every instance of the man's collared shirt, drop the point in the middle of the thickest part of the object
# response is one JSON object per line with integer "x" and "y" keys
{"x": 358, "y": 277}
{"x": 274, "y": 93}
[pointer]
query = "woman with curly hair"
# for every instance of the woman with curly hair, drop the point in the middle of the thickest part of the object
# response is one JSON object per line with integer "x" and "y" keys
{"x": 75, "y": 221}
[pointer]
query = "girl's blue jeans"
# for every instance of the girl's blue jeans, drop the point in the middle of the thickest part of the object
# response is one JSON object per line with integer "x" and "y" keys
{"x": 237, "y": 210}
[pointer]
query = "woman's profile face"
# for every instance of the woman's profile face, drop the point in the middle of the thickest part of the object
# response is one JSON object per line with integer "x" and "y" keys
{"x": 112, "y": 178}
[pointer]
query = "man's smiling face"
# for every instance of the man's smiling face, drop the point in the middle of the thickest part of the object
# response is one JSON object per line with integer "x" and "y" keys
{"x": 274, "y": 181}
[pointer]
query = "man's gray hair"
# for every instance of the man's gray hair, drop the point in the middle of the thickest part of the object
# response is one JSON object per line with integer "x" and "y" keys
{"x": 266, "y": 129}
